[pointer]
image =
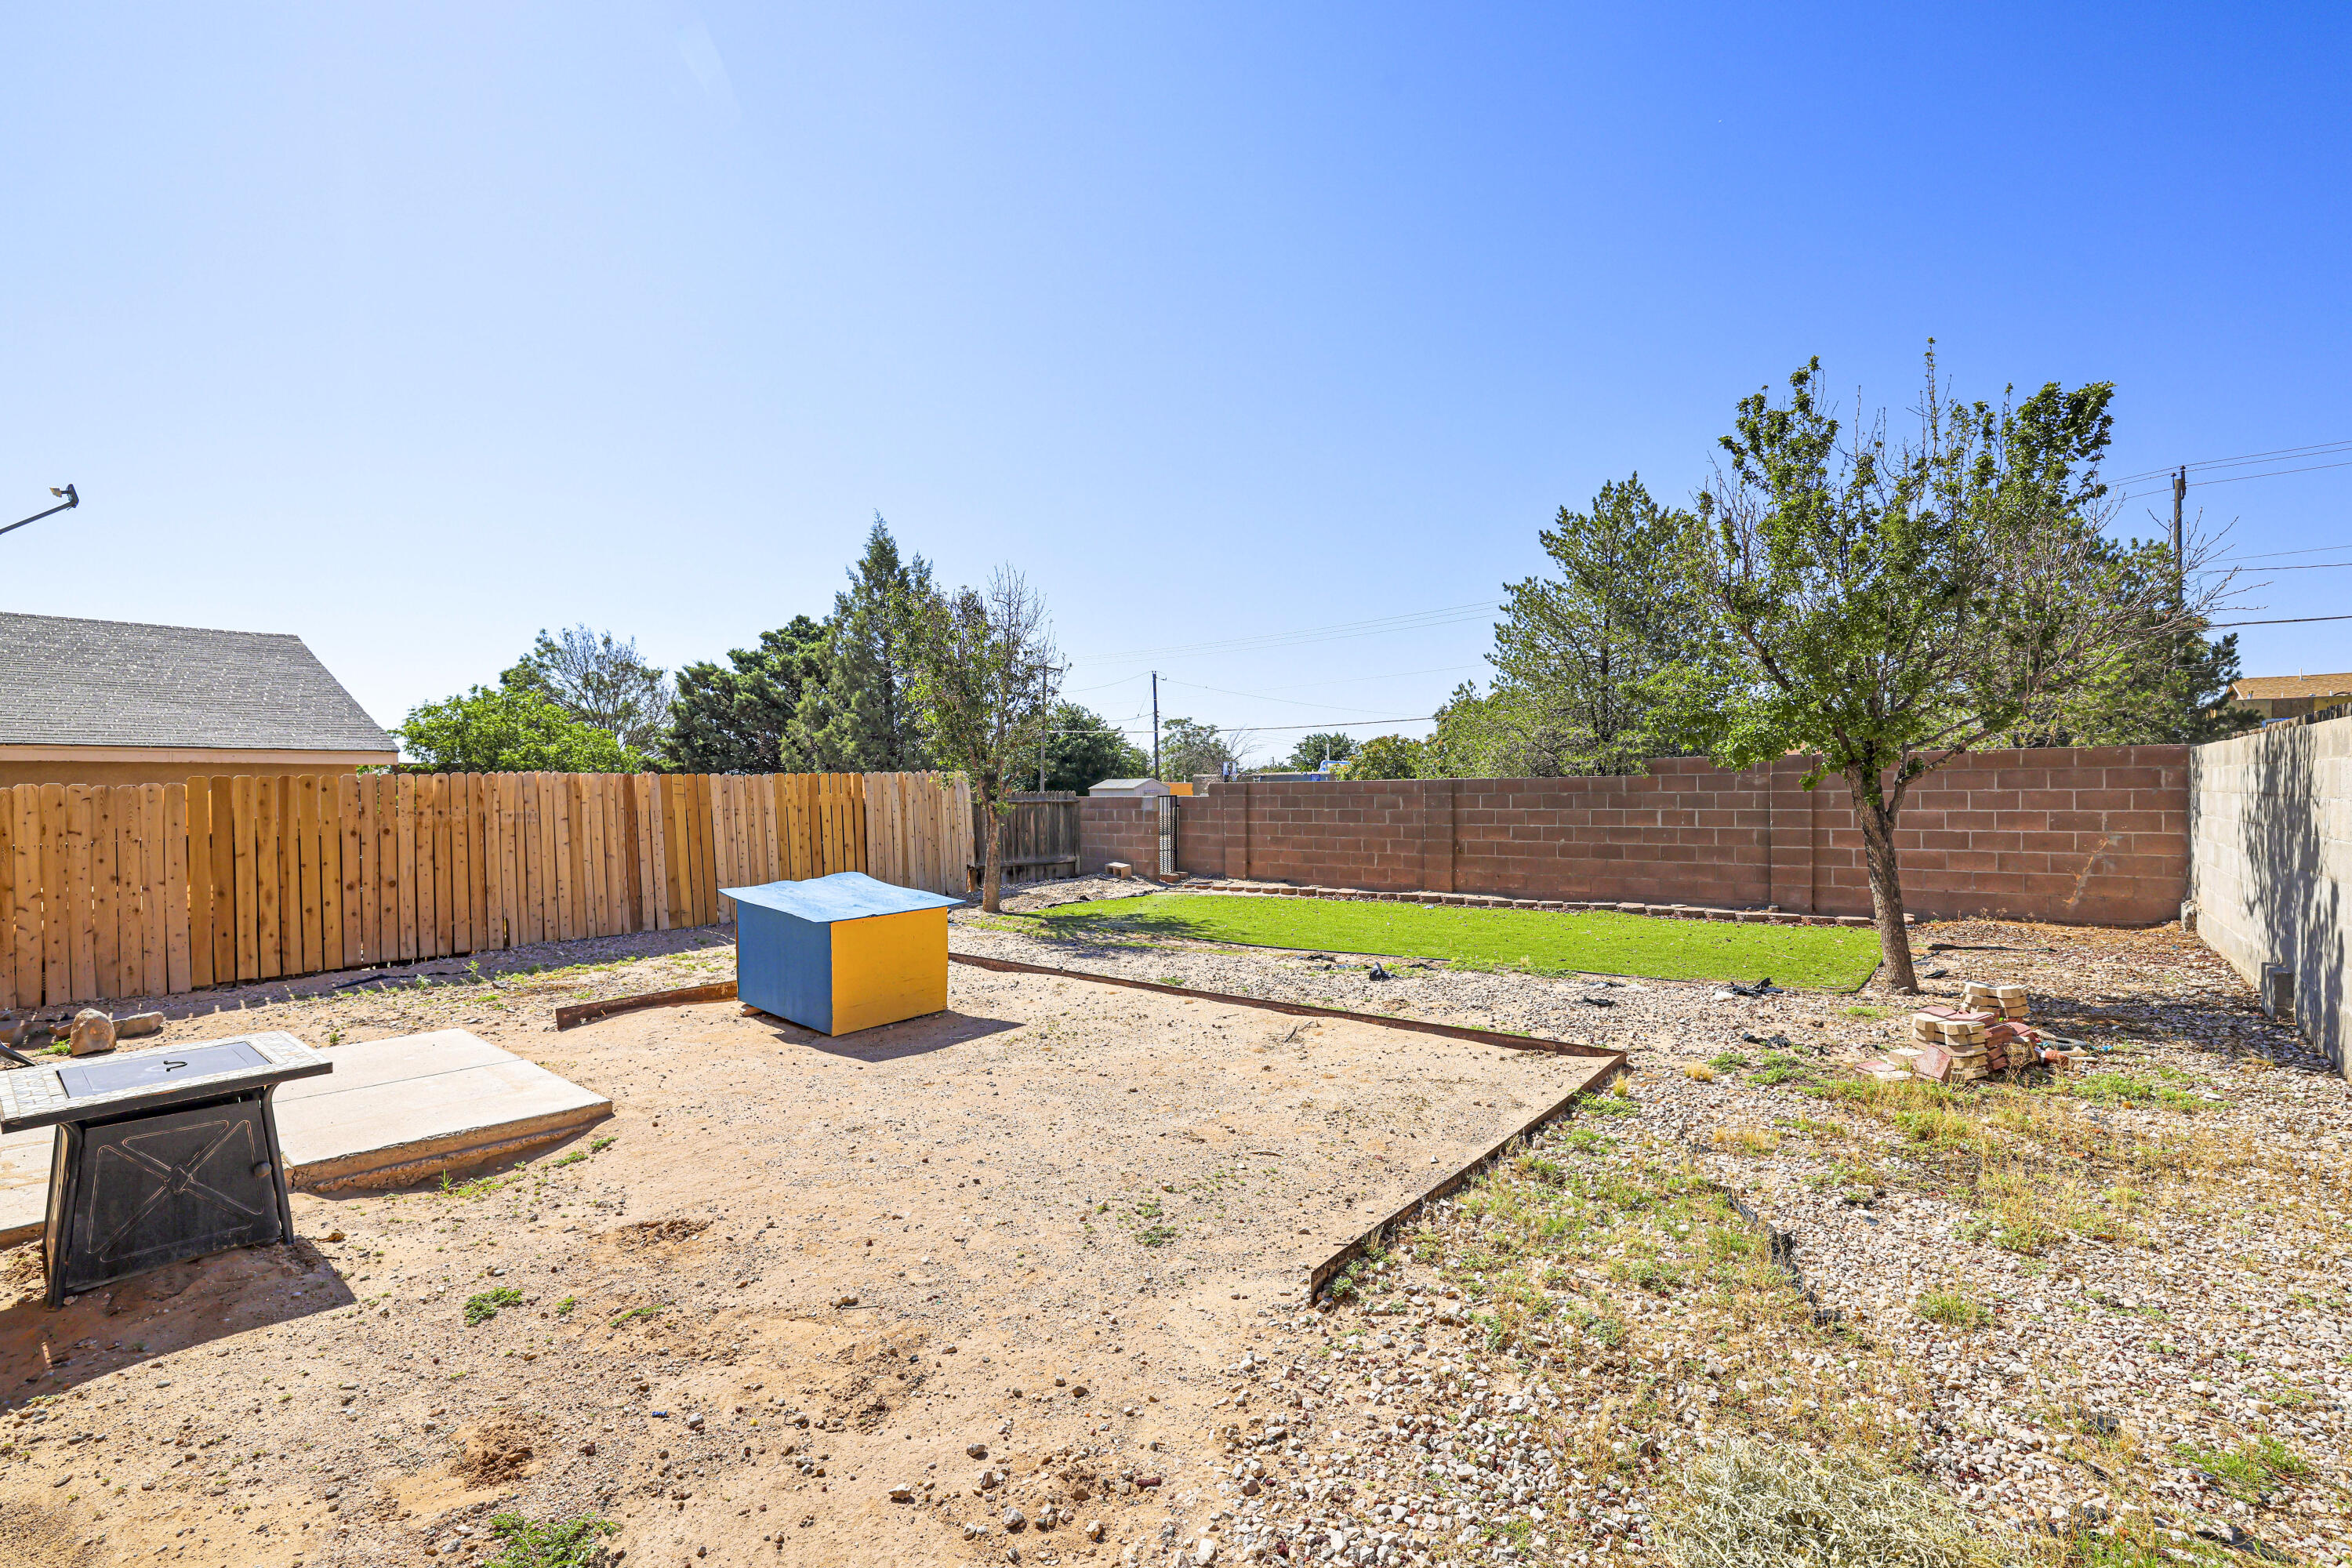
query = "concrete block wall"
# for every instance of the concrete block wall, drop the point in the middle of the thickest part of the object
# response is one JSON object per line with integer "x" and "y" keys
{"x": 1118, "y": 828}
{"x": 2271, "y": 864}
{"x": 2095, "y": 835}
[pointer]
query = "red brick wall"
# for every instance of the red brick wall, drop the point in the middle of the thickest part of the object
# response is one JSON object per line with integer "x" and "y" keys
{"x": 1118, "y": 828}
{"x": 2093, "y": 836}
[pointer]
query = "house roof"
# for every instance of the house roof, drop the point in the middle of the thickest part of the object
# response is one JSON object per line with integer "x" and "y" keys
{"x": 2258, "y": 687}
{"x": 1127, "y": 786}
{"x": 843, "y": 896}
{"x": 67, "y": 683}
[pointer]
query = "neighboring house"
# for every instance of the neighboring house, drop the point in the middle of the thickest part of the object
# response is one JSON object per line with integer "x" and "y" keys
{"x": 2291, "y": 696}
{"x": 118, "y": 702}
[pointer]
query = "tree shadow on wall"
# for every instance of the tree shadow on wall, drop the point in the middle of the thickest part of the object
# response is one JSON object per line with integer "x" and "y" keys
{"x": 2290, "y": 897}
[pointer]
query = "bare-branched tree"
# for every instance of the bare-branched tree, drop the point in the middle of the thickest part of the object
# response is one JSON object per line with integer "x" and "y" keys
{"x": 1886, "y": 608}
{"x": 986, "y": 676}
{"x": 599, "y": 679}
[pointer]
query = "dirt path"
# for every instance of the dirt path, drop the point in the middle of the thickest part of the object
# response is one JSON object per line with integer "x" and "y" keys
{"x": 790, "y": 1275}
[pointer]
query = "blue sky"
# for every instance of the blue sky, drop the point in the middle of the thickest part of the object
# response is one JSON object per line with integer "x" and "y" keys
{"x": 413, "y": 329}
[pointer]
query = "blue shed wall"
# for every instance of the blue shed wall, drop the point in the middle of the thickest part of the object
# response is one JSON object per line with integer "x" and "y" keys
{"x": 783, "y": 965}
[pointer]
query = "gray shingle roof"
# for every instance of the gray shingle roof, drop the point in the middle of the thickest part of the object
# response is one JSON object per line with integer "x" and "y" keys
{"x": 67, "y": 683}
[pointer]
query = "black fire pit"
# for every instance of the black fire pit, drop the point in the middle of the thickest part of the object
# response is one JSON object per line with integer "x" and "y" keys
{"x": 160, "y": 1154}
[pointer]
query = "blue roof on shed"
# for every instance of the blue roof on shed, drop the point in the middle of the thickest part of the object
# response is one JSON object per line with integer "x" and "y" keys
{"x": 843, "y": 896}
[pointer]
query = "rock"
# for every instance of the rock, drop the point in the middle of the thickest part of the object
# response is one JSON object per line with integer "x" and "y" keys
{"x": 1094, "y": 1530}
{"x": 138, "y": 1024}
{"x": 694, "y": 1423}
{"x": 902, "y": 1494}
{"x": 1205, "y": 1551}
{"x": 977, "y": 1450}
{"x": 846, "y": 1301}
{"x": 988, "y": 1479}
{"x": 972, "y": 1531}
{"x": 1014, "y": 1519}
{"x": 92, "y": 1033}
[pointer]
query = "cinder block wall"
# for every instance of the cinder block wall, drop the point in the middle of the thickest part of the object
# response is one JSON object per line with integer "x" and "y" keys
{"x": 2271, "y": 863}
{"x": 2090, "y": 835}
{"x": 1120, "y": 829}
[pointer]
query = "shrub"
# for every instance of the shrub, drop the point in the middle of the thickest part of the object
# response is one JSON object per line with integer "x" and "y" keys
{"x": 1752, "y": 1505}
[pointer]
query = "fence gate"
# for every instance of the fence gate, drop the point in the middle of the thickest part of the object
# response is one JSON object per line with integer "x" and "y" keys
{"x": 1167, "y": 835}
{"x": 1041, "y": 836}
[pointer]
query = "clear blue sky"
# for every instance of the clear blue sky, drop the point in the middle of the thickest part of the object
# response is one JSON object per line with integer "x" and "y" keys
{"x": 413, "y": 329}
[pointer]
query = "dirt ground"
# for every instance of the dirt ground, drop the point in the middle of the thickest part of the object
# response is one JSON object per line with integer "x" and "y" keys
{"x": 1004, "y": 1259}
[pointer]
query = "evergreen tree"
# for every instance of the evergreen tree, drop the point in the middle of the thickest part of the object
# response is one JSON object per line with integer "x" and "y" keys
{"x": 732, "y": 718}
{"x": 856, "y": 715}
{"x": 1578, "y": 650}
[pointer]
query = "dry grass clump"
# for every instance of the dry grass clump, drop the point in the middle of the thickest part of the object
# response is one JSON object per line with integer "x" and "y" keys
{"x": 1756, "y": 1505}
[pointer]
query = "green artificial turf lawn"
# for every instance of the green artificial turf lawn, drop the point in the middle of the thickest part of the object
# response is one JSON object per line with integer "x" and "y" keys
{"x": 1598, "y": 941}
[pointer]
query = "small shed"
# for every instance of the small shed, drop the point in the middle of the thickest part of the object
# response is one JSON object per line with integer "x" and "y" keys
{"x": 1130, "y": 789}
{"x": 841, "y": 953}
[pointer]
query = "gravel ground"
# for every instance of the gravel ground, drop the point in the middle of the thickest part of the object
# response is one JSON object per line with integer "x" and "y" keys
{"x": 2101, "y": 1312}
{"x": 2103, "y": 1315}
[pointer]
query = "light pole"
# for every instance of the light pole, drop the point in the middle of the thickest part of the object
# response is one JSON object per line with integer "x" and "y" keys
{"x": 68, "y": 504}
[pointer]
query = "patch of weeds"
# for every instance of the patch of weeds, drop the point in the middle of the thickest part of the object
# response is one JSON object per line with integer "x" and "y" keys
{"x": 633, "y": 1314}
{"x": 2113, "y": 1088}
{"x": 564, "y": 1307}
{"x": 533, "y": 1544}
{"x": 1156, "y": 1234}
{"x": 1937, "y": 1127}
{"x": 1614, "y": 1104}
{"x": 2174, "y": 1099}
{"x": 1729, "y": 1061}
{"x": 1750, "y": 1141}
{"x": 1750, "y": 1503}
{"x": 2259, "y": 1465}
{"x": 1865, "y": 1011}
{"x": 1698, "y": 1072}
{"x": 479, "y": 1187}
{"x": 480, "y": 1308}
{"x": 1779, "y": 1067}
{"x": 1953, "y": 1310}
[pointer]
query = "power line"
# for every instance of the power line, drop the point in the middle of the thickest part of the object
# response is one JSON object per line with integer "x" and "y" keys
{"x": 2275, "y": 554}
{"x": 2231, "y": 462}
{"x": 2240, "y": 479}
{"x": 2289, "y": 621}
{"x": 1257, "y": 696}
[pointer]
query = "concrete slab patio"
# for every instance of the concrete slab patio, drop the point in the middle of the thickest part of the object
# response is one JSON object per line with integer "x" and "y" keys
{"x": 392, "y": 1111}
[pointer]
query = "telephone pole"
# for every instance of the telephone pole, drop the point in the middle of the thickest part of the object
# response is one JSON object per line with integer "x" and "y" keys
{"x": 1155, "y": 723}
{"x": 2179, "y": 578}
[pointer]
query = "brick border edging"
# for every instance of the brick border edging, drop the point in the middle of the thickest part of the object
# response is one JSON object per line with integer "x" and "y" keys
{"x": 1495, "y": 902}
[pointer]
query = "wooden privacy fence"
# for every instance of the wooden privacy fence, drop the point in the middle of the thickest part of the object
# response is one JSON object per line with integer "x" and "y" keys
{"x": 1041, "y": 835}
{"x": 143, "y": 890}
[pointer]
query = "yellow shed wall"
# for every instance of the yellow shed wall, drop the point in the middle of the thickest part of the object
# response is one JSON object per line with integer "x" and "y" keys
{"x": 889, "y": 967}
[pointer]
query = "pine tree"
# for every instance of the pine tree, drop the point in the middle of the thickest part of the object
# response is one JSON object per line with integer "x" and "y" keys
{"x": 857, "y": 716}
{"x": 732, "y": 718}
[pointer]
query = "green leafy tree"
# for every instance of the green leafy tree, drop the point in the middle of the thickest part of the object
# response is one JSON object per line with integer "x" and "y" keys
{"x": 1309, "y": 755}
{"x": 599, "y": 679}
{"x": 983, "y": 669}
{"x": 1189, "y": 748}
{"x": 506, "y": 729}
{"x": 732, "y": 718}
{"x": 1082, "y": 749}
{"x": 1578, "y": 651}
{"x": 856, "y": 716}
{"x": 1385, "y": 757}
{"x": 1502, "y": 733}
{"x": 1887, "y": 608}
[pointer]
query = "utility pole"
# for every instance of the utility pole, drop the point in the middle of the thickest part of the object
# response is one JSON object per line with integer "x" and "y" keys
{"x": 1155, "y": 723}
{"x": 2179, "y": 577}
{"x": 1044, "y": 729}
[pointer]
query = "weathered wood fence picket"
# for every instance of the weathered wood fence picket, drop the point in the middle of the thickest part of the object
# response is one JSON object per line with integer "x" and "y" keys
{"x": 143, "y": 889}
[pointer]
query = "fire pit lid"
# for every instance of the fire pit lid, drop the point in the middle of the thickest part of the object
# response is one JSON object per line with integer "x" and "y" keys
{"x": 145, "y": 1080}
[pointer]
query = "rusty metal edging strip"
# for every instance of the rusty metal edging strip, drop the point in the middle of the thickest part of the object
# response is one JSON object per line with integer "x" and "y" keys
{"x": 589, "y": 1012}
{"x": 1320, "y": 1275}
{"x": 1298, "y": 1009}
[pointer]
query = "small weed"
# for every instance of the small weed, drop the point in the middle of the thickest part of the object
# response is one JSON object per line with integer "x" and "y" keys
{"x": 1729, "y": 1061}
{"x": 598, "y": 1146}
{"x": 1611, "y": 1104}
{"x": 1751, "y": 1141}
{"x": 530, "y": 1543}
{"x": 1156, "y": 1234}
{"x": 2113, "y": 1088}
{"x": 479, "y": 1187}
{"x": 564, "y": 1307}
{"x": 1953, "y": 1310}
{"x": 1698, "y": 1072}
{"x": 1865, "y": 1012}
{"x": 481, "y": 1308}
{"x": 633, "y": 1314}
{"x": 2257, "y": 1465}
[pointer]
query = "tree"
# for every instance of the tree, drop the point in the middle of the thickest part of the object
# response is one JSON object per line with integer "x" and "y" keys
{"x": 732, "y": 718}
{"x": 509, "y": 729}
{"x": 1502, "y": 733}
{"x": 1579, "y": 651}
{"x": 1082, "y": 749}
{"x": 1310, "y": 753}
{"x": 1886, "y": 608}
{"x": 1385, "y": 757}
{"x": 855, "y": 717}
{"x": 1188, "y": 747}
{"x": 599, "y": 679}
{"x": 984, "y": 668}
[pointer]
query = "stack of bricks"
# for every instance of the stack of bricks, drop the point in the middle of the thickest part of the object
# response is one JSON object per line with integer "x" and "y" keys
{"x": 1955, "y": 1043}
{"x": 2011, "y": 1042}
